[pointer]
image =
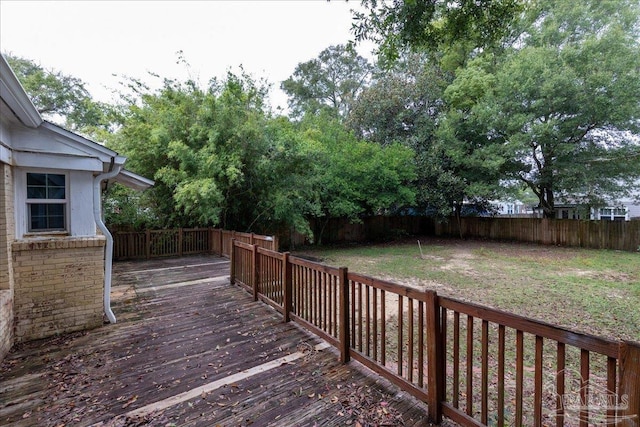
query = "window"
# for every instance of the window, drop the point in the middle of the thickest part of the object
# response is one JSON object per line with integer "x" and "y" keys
{"x": 46, "y": 202}
{"x": 613, "y": 214}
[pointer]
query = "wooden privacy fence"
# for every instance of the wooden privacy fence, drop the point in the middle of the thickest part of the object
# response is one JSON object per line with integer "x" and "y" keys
{"x": 476, "y": 365}
{"x": 182, "y": 241}
{"x": 616, "y": 235}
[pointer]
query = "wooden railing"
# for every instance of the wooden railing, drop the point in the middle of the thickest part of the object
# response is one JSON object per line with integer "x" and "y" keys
{"x": 182, "y": 241}
{"x": 476, "y": 365}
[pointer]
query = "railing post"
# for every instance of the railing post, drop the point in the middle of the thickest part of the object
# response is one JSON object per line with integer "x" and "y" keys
{"x": 343, "y": 275}
{"x": 254, "y": 271}
{"x": 629, "y": 388}
{"x": 232, "y": 267}
{"x": 276, "y": 243}
{"x": 288, "y": 287}
{"x": 180, "y": 240}
{"x": 252, "y": 239}
{"x": 435, "y": 358}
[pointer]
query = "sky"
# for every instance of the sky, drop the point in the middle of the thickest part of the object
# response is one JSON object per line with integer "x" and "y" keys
{"x": 95, "y": 40}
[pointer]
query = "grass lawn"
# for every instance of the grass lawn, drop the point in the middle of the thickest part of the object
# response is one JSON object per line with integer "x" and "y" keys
{"x": 592, "y": 291}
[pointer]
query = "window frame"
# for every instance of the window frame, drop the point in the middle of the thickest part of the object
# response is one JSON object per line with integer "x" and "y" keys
{"x": 611, "y": 213}
{"x": 30, "y": 202}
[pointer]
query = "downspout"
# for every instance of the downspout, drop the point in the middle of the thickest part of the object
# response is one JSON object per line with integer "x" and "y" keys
{"x": 108, "y": 259}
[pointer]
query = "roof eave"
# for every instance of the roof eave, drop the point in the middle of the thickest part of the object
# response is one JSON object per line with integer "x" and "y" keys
{"x": 14, "y": 95}
{"x": 132, "y": 180}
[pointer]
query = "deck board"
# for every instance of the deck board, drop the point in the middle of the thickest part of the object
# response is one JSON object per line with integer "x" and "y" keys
{"x": 181, "y": 325}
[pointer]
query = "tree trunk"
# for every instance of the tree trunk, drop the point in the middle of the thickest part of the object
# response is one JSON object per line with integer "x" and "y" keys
{"x": 458, "y": 216}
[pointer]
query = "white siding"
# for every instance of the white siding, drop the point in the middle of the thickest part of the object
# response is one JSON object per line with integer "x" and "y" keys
{"x": 634, "y": 211}
{"x": 80, "y": 202}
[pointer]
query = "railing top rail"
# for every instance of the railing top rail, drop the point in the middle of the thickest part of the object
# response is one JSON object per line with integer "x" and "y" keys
{"x": 243, "y": 245}
{"x": 269, "y": 252}
{"x": 314, "y": 265}
{"x": 391, "y": 287}
{"x": 593, "y": 343}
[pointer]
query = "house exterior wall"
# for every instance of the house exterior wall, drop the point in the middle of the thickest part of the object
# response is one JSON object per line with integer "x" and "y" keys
{"x": 7, "y": 228}
{"x": 634, "y": 211}
{"x": 59, "y": 286}
{"x": 81, "y": 221}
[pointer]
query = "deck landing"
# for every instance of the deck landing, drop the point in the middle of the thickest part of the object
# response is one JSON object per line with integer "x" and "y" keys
{"x": 191, "y": 349}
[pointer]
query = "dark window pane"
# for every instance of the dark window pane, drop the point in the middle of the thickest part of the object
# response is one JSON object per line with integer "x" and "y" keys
{"x": 56, "y": 223}
{"x": 37, "y": 179}
{"x": 38, "y": 223}
{"x": 45, "y": 186}
{"x": 36, "y": 193}
{"x": 54, "y": 180}
{"x": 56, "y": 193}
{"x": 38, "y": 209}
{"x": 55, "y": 210}
{"x": 45, "y": 216}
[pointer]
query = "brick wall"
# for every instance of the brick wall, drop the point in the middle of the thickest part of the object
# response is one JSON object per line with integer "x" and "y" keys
{"x": 7, "y": 233}
{"x": 58, "y": 286}
{"x": 7, "y": 225}
{"x": 6, "y": 322}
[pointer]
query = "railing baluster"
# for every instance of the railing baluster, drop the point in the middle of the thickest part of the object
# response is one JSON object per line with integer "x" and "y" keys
{"x": 611, "y": 386}
{"x": 456, "y": 360}
{"x": 335, "y": 305}
{"x": 383, "y": 328}
{"x": 421, "y": 328}
{"x": 410, "y": 340}
{"x": 470, "y": 393}
{"x": 375, "y": 324}
{"x": 501, "y": 351}
{"x": 484, "y": 409}
{"x": 368, "y": 319}
{"x": 519, "y": 376}
{"x": 360, "y": 331}
{"x": 537, "y": 393}
{"x": 561, "y": 358}
{"x": 584, "y": 387}
{"x": 400, "y": 327}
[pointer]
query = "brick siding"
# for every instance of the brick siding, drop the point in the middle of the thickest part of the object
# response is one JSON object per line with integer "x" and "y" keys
{"x": 7, "y": 233}
{"x": 58, "y": 286}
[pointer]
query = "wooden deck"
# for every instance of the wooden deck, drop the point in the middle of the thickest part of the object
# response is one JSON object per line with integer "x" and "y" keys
{"x": 191, "y": 349}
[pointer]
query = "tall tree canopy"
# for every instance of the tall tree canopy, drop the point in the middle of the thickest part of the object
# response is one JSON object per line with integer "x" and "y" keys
{"x": 557, "y": 111}
{"x": 332, "y": 81}
{"x": 61, "y": 98}
{"x": 220, "y": 158}
{"x": 434, "y": 25}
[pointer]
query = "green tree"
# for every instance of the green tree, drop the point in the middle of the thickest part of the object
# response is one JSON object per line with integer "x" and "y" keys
{"x": 558, "y": 111}
{"x": 200, "y": 146}
{"x": 354, "y": 178}
{"x": 332, "y": 81}
{"x": 433, "y": 25}
{"x": 61, "y": 98}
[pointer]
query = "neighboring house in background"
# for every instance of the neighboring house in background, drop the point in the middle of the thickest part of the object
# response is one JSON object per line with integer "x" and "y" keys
{"x": 55, "y": 252}
{"x": 622, "y": 210}
{"x": 512, "y": 209}
{"x": 625, "y": 209}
